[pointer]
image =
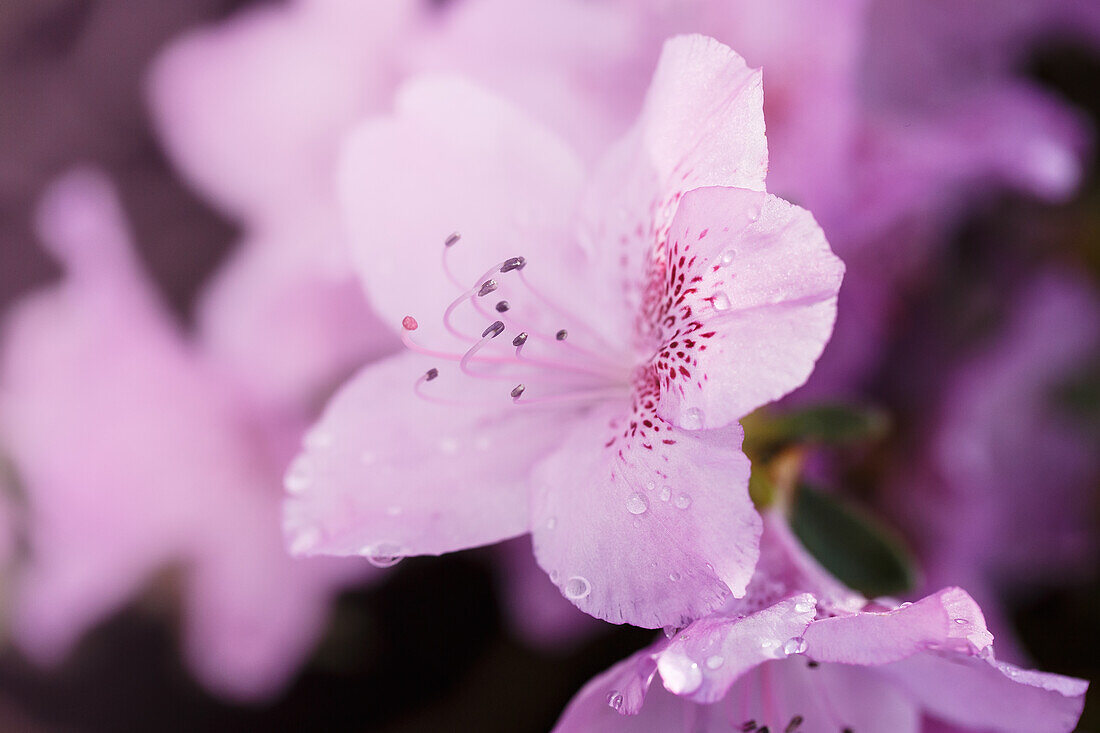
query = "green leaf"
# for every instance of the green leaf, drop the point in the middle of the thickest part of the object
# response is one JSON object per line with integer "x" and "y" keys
{"x": 833, "y": 425}
{"x": 851, "y": 544}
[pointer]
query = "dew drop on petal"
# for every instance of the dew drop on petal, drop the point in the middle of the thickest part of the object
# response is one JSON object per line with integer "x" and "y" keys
{"x": 650, "y": 485}
{"x": 683, "y": 677}
{"x": 727, "y": 258}
{"x": 721, "y": 301}
{"x": 383, "y": 554}
{"x": 554, "y": 576}
{"x": 551, "y": 522}
{"x": 693, "y": 419}
{"x": 615, "y": 700}
{"x": 666, "y": 494}
{"x": 960, "y": 621}
{"x": 797, "y": 645}
{"x": 637, "y": 503}
{"x": 577, "y": 588}
{"x": 683, "y": 501}
{"x": 299, "y": 476}
{"x": 674, "y": 576}
{"x": 715, "y": 661}
{"x": 803, "y": 607}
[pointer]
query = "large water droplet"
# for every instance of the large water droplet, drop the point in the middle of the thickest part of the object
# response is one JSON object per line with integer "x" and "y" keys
{"x": 683, "y": 501}
{"x": 803, "y": 607}
{"x": 577, "y": 588}
{"x": 715, "y": 661}
{"x": 299, "y": 476}
{"x": 721, "y": 301}
{"x": 797, "y": 645}
{"x": 637, "y": 503}
{"x": 693, "y": 419}
{"x": 682, "y": 676}
{"x": 666, "y": 494}
{"x": 615, "y": 700}
{"x": 383, "y": 554}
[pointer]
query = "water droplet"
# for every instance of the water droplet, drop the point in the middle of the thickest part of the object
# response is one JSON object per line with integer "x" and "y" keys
{"x": 961, "y": 621}
{"x": 666, "y": 494}
{"x": 448, "y": 445}
{"x": 650, "y": 485}
{"x": 317, "y": 439}
{"x": 670, "y": 631}
{"x": 682, "y": 676}
{"x": 803, "y": 607}
{"x": 551, "y": 522}
{"x": 693, "y": 419}
{"x": 797, "y": 645}
{"x": 721, "y": 301}
{"x": 637, "y": 503}
{"x": 305, "y": 541}
{"x": 683, "y": 501}
{"x": 577, "y": 588}
{"x": 715, "y": 661}
{"x": 674, "y": 576}
{"x": 383, "y": 554}
{"x": 299, "y": 476}
{"x": 727, "y": 258}
{"x": 615, "y": 700}
{"x": 769, "y": 644}
{"x": 554, "y": 575}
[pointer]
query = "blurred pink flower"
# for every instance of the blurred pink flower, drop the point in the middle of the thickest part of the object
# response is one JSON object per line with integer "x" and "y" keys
{"x": 826, "y": 660}
{"x": 138, "y": 451}
{"x": 659, "y": 301}
{"x": 1018, "y": 475}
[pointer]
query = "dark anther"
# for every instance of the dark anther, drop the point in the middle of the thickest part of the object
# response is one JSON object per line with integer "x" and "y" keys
{"x": 561, "y": 335}
{"x": 487, "y": 287}
{"x": 495, "y": 329}
{"x": 793, "y": 726}
{"x": 517, "y": 391}
{"x": 452, "y": 239}
{"x": 513, "y": 263}
{"x": 431, "y": 374}
{"x": 748, "y": 725}
{"x": 812, "y": 664}
{"x": 502, "y": 306}
{"x": 520, "y": 340}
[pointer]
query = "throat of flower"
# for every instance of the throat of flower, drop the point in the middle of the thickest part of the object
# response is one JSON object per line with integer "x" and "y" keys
{"x": 567, "y": 363}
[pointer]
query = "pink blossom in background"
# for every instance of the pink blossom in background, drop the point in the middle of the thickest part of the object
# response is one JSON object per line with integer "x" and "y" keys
{"x": 802, "y": 653}
{"x": 1018, "y": 475}
{"x": 139, "y": 451}
{"x": 633, "y": 318}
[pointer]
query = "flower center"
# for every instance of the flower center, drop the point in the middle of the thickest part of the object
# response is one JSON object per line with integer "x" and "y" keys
{"x": 553, "y": 356}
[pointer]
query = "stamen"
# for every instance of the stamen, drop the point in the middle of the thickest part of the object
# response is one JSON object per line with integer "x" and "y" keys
{"x": 517, "y": 391}
{"x": 794, "y": 725}
{"x": 513, "y": 263}
{"x": 409, "y": 323}
{"x": 561, "y": 335}
{"x": 487, "y": 287}
{"x": 495, "y": 328}
{"x": 502, "y": 306}
{"x": 452, "y": 239}
{"x": 519, "y": 341}
{"x": 431, "y": 374}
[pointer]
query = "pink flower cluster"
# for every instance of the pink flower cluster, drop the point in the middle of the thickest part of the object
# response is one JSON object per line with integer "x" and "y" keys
{"x": 556, "y": 239}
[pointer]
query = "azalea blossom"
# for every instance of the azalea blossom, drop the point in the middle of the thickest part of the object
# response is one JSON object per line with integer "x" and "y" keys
{"x": 139, "y": 450}
{"x": 802, "y": 654}
{"x": 585, "y": 386}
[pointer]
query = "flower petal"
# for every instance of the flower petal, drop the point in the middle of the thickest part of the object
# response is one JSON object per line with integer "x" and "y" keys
{"x": 387, "y": 473}
{"x": 949, "y": 619}
{"x": 710, "y": 655}
{"x": 454, "y": 158}
{"x": 746, "y": 306}
{"x": 986, "y": 694}
{"x": 644, "y": 527}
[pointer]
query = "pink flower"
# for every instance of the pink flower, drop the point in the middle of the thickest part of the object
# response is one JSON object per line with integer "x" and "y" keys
{"x": 825, "y": 660}
{"x": 585, "y": 386}
{"x": 138, "y": 451}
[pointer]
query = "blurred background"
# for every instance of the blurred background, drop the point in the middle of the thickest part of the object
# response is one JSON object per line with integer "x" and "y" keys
{"x": 436, "y": 644}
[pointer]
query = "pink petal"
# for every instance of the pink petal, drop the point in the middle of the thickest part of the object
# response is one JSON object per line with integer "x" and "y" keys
{"x": 252, "y": 110}
{"x": 985, "y": 694}
{"x": 752, "y": 287}
{"x": 456, "y": 159}
{"x": 949, "y": 619}
{"x": 613, "y": 701}
{"x": 710, "y": 655}
{"x": 702, "y": 125}
{"x": 387, "y": 473}
{"x": 652, "y": 534}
